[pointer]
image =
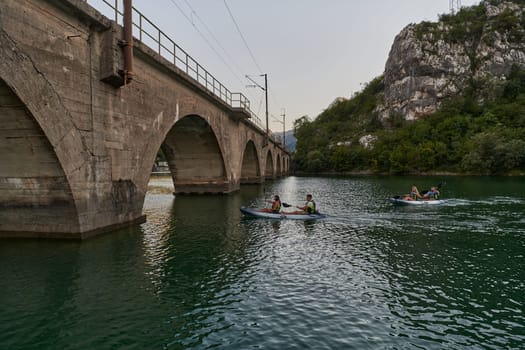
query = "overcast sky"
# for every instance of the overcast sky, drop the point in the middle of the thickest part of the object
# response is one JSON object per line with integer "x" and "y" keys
{"x": 312, "y": 50}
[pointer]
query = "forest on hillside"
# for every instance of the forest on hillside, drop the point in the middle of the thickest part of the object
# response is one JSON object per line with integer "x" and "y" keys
{"x": 464, "y": 136}
{"x": 479, "y": 131}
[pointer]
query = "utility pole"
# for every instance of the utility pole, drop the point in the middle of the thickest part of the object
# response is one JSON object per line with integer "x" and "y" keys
{"x": 266, "y": 95}
{"x": 284, "y": 127}
{"x": 265, "y": 89}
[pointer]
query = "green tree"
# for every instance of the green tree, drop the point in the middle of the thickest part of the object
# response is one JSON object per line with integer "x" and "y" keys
{"x": 316, "y": 161}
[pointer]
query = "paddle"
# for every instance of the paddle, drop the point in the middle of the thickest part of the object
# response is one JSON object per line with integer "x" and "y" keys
{"x": 286, "y": 205}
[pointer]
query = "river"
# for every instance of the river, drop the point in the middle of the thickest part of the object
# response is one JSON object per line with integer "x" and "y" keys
{"x": 198, "y": 275}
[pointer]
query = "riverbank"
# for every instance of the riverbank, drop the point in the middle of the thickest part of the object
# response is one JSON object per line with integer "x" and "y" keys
{"x": 430, "y": 173}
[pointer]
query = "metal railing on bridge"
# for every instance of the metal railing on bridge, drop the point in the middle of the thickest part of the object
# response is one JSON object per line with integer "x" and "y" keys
{"x": 149, "y": 34}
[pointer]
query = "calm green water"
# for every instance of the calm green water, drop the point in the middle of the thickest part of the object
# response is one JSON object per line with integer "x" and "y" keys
{"x": 199, "y": 275}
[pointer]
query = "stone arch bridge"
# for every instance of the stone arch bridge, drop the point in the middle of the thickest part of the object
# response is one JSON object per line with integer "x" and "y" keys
{"x": 77, "y": 145}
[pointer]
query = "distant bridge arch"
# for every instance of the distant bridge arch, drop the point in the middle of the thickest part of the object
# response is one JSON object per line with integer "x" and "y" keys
{"x": 278, "y": 166}
{"x": 269, "y": 172}
{"x": 250, "y": 169}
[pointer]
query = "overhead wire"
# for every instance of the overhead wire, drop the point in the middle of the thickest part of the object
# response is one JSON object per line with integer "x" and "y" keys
{"x": 214, "y": 38}
{"x": 275, "y": 119}
{"x": 249, "y": 51}
{"x": 206, "y": 39}
{"x": 241, "y": 81}
{"x": 213, "y": 48}
{"x": 242, "y": 36}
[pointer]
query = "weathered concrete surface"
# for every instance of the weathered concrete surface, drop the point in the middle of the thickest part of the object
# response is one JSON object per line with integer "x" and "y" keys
{"x": 76, "y": 151}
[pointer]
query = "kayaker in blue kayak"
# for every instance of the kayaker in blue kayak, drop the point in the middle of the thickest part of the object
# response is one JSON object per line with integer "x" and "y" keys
{"x": 432, "y": 194}
{"x": 276, "y": 206}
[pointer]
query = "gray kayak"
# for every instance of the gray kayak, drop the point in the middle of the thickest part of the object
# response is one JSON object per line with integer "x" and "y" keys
{"x": 399, "y": 201}
{"x": 282, "y": 215}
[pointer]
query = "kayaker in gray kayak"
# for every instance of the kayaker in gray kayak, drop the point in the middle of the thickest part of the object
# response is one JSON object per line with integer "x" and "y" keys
{"x": 276, "y": 206}
{"x": 308, "y": 208}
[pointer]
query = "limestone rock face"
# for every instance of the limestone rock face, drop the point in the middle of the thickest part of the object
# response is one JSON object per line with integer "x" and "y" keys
{"x": 431, "y": 61}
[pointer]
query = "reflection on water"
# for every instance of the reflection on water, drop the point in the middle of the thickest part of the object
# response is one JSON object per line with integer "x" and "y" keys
{"x": 198, "y": 274}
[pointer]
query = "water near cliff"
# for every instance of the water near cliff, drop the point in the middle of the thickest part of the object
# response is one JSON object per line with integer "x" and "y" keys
{"x": 199, "y": 275}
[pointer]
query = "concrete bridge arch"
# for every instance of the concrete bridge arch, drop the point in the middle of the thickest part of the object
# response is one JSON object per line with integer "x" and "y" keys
{"x": 38, "y": 172}
{"x": 195, "y": 156}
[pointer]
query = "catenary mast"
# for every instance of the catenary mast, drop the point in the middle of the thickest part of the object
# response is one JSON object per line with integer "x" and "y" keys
{"x": 455, "y": 6}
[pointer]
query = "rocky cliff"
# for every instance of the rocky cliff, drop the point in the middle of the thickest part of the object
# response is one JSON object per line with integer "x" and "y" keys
{"x": 472, "y": 51}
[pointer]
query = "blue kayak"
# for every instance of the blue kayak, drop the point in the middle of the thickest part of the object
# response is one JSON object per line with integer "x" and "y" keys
{"x": 282, "y": 215}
